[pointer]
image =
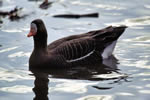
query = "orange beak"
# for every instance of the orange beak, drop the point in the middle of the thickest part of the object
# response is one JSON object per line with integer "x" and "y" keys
{"x": 30, "y": 34}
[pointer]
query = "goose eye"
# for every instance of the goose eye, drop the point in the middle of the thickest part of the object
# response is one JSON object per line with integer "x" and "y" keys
{"x": 33, "y": 30}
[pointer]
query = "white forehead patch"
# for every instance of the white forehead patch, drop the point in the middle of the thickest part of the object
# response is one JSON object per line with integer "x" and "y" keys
{"x": 34, "y": 27}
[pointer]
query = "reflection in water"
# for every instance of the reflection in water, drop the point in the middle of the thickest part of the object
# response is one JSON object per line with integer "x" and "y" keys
{"x": 97, "y": 97}
{"x": 77, "y": 72}
{"x": 144, "y": 20}
{"x": 34, "y": 0}
{"x": 41, "y": 86}
{"x": 98, "y": 5}
{"x": 147, "y": 6}
{"x": 20, "y": 89}
{"x": 8, "y": 49}
{"x": 139, "y": 39}
{"x": 133, "y": 50}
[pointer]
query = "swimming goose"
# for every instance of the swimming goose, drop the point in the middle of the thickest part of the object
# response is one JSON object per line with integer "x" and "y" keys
{"x": 67, "y": 51}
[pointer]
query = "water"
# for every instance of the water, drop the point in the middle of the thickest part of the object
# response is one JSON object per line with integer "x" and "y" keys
{"x": 132, "y": 50}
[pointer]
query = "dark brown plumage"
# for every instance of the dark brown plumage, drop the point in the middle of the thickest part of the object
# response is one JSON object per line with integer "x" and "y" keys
{"x": 69, "y": 51}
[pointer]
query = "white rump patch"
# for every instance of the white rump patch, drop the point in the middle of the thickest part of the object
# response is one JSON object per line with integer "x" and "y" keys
{"x": 108, "y": 50}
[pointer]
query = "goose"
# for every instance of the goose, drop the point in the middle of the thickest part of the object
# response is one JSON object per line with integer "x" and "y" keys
{"x": 70, "y": 50}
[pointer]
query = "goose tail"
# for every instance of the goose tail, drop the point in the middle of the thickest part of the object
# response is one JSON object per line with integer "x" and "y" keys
{"x": 110, "y": 33}
{"x": 106, "y": 40}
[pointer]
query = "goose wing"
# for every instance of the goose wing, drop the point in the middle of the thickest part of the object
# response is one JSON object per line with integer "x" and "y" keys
{"x": 76, "y": 49}
{"x": 56, "y": 43}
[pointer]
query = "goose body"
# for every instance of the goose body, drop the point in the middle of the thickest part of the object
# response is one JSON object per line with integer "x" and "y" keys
{"x": 73, "y": 49}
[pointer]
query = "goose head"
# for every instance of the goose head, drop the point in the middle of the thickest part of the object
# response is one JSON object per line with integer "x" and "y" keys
{"x": 39, "y": 33}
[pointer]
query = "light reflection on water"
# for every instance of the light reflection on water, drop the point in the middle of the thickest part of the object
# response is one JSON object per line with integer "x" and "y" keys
{"x": 17, "y": 89}
{"x": 132, "y": 51}
{"x": 8, "y": 49}
{"x": 147, "y": 6}
{"x": 133, "y": 22}
{"x": 97, "y": 97}
{"x": 11, "y": 75}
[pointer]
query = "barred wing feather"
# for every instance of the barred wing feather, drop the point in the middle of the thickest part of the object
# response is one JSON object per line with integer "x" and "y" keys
{"x": 76, "y": 49}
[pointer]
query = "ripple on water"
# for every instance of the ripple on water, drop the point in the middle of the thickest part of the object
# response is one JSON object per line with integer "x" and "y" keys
{"x": 13, "y": 75}
{"x": 133, "y": 22}
{"x": 19, "y": 54}
{"x": 17, "y": 89}
{"x": 97, "y": 97}
{"x": 144, "y": 74}
{"x": 141, "y": 39}
{"x": 12, "y": 80}
{"x": 98, "y": 5}
{"x": 69, "y": 87}
{"x": 144, "y": 91}
{"x": 110, "y": 76}
{"x": 8, "y": 49}
{"x": 124, "y": 94}
{"x": 147, "y": 6}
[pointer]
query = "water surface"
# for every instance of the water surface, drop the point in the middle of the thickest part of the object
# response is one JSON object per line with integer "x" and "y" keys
{"x": 132, "y": 50}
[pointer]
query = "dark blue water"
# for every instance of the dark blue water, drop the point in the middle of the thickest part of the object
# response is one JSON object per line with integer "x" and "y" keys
{"x": 132, "y": 50}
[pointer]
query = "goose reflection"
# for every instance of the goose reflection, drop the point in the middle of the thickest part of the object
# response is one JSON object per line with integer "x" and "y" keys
{"x": 41, "y": 86}
{"x": 79, "y": 72}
